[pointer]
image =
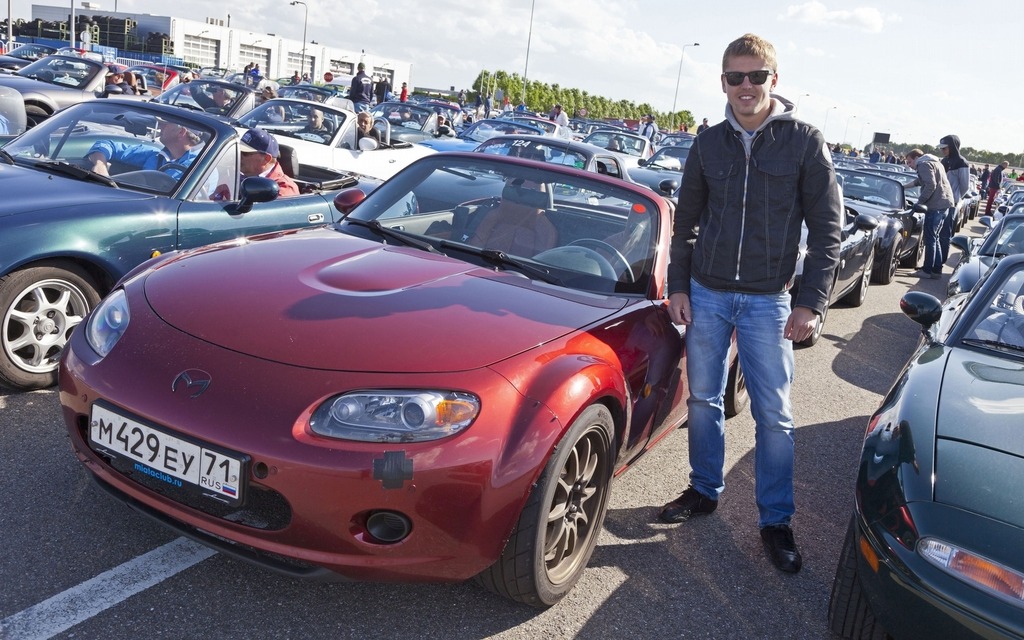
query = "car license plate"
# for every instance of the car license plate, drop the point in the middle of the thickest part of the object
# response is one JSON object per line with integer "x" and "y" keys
{"x": 179, "y": 463}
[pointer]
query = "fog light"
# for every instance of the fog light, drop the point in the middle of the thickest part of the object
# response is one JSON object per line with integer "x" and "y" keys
{"x": 388, "y": 527}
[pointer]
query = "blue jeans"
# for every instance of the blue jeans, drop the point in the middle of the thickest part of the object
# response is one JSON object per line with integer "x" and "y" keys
{"x": 767, "y": 361}
{"x": 932, "y": 248}
{"x": 945, "y": 233}
{"x": 361, "y": 106}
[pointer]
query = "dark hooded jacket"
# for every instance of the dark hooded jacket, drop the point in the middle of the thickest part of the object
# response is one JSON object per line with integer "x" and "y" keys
{"x": 957, "y": 170}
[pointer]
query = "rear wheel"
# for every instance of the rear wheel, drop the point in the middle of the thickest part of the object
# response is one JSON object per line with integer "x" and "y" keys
{"x": 552, "y": 542}
{"x": 819, "y": 326}
{"x": 887, "y": 272}
{"x": 34, "y": 115}
{"x": 849, "y": 615}
{"x": 40, "y": 307}
{"x": 859, "y": 293}
{"x": 736, "y": 396}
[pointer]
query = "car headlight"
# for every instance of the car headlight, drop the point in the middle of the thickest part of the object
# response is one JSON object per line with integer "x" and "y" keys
{"x": 991, "y": 577}
{"x": 108, "y": 322}
{"x": 395, "y": 416}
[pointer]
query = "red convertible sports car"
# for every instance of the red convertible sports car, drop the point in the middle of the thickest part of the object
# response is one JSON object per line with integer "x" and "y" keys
{"x": 440, "y": 387}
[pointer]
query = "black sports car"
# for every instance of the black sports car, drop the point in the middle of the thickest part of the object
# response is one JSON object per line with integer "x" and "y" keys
{"x": 934, "y": 546}
{"x": 899, "y": 233}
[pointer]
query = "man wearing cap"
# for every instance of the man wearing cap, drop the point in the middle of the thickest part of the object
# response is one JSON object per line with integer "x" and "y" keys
{"x": 259, "y": 158}
{"x": 115, "y": 83}
{"x": 179, "y": 151}
{"x": 361, "y": 92}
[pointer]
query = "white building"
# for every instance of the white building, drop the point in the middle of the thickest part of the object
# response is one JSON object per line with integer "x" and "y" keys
{"x": 215, "y": 43}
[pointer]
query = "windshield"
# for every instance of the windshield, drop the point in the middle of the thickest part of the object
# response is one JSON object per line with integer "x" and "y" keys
{"x": 869, "y": 188}
{"x": 296, "y": 119}
{"x": 76, "y": 73}
{"x": 1003, "y": 322}
{"x": 31, "y": 51}
{"x": 1006, "y": 239}
{"x": 543, "y": 150}
{"x": 487, "y": 129}
{"x": 132, "y": 146}
{"x": 614, "y": 141}
{"x": 203, "y": 95}
{"x": 403, "y": 115}
{"x": 581, "y": 232}
{"x": 672, "y": 158}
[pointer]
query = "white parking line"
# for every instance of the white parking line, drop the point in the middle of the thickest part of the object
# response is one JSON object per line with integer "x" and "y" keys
{"x": 81, "y": 602}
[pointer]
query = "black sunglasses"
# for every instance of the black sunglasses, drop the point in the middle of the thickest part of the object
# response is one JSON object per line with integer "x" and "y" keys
{"x": 735, "y": 78}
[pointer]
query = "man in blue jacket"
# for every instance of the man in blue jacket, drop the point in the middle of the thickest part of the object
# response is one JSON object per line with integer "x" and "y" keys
{"x": 749, "y": 184}
{"x": 361, "y": 91}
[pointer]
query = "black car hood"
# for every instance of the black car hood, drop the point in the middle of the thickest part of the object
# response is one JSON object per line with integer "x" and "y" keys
{"x": 27, "y": 191}
{"x": 979, "y": 459}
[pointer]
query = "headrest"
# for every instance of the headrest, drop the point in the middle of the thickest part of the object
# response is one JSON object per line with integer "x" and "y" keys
{"x": 533, "y": 197}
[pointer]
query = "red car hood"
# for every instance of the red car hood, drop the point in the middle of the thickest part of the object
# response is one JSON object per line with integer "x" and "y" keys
{"x": 322, "y": 299}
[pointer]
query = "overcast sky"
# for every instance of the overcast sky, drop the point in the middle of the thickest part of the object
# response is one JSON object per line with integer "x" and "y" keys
{"x": 917, "y": 69}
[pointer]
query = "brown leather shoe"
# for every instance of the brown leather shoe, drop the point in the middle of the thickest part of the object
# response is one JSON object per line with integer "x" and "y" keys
{"x": 690, "y": 503}
{"x": 781, "y": 547}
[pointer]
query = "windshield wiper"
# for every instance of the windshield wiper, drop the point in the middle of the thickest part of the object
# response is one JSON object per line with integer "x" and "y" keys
{"x": 978, "y": 342}
{"x": 404, "y": 237}
{"x": 75, "y": 171}
{"x": 503, "y": 259}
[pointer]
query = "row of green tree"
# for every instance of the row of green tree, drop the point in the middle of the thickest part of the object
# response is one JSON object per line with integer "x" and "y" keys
{"x": 542, "y": 97}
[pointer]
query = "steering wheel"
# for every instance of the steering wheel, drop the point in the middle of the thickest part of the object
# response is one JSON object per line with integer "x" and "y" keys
{"x": 577, "y": 258}
{"x": 618, "y": 261}
{"x": 173, "y": 165}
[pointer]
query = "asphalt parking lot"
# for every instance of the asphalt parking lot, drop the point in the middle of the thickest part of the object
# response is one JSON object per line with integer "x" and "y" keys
{"x": 73, "y": 555}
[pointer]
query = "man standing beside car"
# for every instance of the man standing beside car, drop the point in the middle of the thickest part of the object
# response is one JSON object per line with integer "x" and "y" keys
{"x": 361, "y": 91}
{"x": 935, "y": 200}
{"x": 748, "y": 185}
{"x": 958, "y": 172}
{"x": 995, "y": 181}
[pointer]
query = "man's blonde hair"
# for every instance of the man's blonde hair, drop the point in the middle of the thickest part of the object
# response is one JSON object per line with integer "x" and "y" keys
{"x": 753, "y": 46}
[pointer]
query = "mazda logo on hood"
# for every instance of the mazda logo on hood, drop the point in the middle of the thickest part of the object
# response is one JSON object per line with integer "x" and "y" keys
{"x": 192, "y": 381}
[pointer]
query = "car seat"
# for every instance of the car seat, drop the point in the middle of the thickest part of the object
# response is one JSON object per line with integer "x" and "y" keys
{"x": 289, "y": 161}
{"x": 519, "y": 224}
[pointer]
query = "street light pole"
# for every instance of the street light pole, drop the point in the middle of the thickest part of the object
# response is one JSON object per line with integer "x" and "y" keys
{"x": 529, "y": 39}
{"x": 847, "y": 129}
{"x": 678, "y": 76}
{"x": 305, "y": 21}
{"x": 824, "y": 127}
{"x": 798, "y": 101}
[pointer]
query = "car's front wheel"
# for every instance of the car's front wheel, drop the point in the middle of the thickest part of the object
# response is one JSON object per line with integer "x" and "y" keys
{"x": 552, "y": 542}
{"x": 41, "y": 306}
{"x": 887, "y": 272}
{"x": 849, "y": 615}
{"x": 859, "y": 293}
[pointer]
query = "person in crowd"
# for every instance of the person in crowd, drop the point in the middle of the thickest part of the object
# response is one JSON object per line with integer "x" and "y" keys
{"x": 403, "y": 95}
{"x": 260, "y": 153}
{"x": 365, "y": 128}
{"x": 875, "y": 156}
{"x": 444, "y": 128}
{"x": 891, "y": 157}
{"x": 462, "y": 98}
{"x": 702, "y": 126}
{"x": 959, "y": 175}
{"x": 936, "y": 198}
{"x": 315, "y": 124}
{"x": 559, "y": 117}
{"x": 730, "y": 278}
{"x": 296, "y": 78}
{"x": 995, "y": 182}
{"x": 382, "y": 89}
{"x": 116, "y": 83}
{"x": 361, "y": 91}
{"x": 648, "y": 128}
{"x": 983, "y": 181}
{"x": 217, "y": 100}
{"x": 181, "y": 146}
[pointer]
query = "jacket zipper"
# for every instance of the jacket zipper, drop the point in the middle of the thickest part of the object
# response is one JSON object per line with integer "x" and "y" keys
{"x": 743, "y": 210}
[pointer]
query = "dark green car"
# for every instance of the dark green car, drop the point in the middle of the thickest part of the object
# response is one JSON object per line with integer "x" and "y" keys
{"x": 68, "y": 232}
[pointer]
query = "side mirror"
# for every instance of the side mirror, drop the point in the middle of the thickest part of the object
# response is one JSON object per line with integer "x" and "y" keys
{"x": 864, "y": 221}
{"x": 920, "y": 208}
{"x": 923, "y": 308}
{"x": 961, "y": 242}
{"x": 253, "y": 190}
{"x": 642, "y": 162}
{"x": 347, "y": 200}
{"x": 668, "y": 186}
{"x": 367, "y": 144}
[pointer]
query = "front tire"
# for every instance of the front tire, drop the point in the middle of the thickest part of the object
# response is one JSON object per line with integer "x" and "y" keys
{"x": 40, "y": 307}
{"x": 819, "y": 326}
{"x": 736, "y": 396}
{"x": 859, "y": 293}
{"x": 849, "y": 615}
{"x": 556, "y": 533}
{"x": 886, "y": 274}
